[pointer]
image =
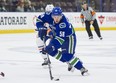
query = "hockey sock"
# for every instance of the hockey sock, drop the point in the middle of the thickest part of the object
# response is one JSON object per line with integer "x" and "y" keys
{"x": 76, "y": 63}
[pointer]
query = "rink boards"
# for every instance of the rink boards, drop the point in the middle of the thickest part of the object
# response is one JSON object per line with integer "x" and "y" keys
{"x": 11, "y": 22}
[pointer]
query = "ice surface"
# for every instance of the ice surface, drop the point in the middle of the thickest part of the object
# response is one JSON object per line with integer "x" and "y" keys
{"x": 21, "y": 62}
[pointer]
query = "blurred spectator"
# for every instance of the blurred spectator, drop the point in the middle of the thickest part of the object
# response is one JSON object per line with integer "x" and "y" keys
{"x": 78, "y": 7}
{"x": 2, "y": 6}
{"x": 77, "y": 4}
{"x": 93, "y": 4}
{"x": 40, "y": 6}
{"x": 106, "y": 6}
{"x": 14, "y": 5}
{"x": 29, "y": 7}
{"x": 66, "y": 5}
{"x": 113, "y": 6}
{"x": 20, "y": 6}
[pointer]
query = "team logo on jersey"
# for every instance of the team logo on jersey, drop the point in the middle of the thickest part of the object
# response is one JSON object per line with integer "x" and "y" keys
{"x": 101, "y": 19}
{"x": 62, "y": 25}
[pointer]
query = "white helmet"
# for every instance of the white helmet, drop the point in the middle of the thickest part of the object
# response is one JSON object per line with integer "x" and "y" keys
{"x": 49, "y": 8}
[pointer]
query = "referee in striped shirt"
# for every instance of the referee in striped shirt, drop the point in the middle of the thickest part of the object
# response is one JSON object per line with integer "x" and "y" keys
{"x": 88, "y": 16}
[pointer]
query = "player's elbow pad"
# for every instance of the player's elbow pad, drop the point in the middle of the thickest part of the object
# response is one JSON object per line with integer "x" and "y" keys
{"x": 38, "y": 25}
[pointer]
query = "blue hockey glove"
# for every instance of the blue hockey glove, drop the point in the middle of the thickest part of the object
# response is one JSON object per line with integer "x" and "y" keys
{"x": 48, "y": 49}
{"x": 50, "y": 34}
{"x": 42, "y": 32}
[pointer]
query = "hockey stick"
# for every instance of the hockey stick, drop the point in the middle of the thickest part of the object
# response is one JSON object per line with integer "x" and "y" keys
{"x": 49, "y": 66}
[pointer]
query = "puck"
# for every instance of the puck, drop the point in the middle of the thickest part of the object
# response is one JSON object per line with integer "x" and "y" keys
{"x": 2, "y": 74}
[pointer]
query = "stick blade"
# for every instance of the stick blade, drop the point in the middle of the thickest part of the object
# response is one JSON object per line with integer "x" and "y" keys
{"x": 55, "y": 79}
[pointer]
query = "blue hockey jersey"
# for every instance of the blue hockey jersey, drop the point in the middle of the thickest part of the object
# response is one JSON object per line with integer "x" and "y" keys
{"x": 63, "y": 28}
{"x": 44, "y": 18}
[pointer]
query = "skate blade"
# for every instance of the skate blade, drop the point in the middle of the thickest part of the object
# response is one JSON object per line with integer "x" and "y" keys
{"x": 46, "y": 66}
{"x": 72, "y": 70}
{"x": 86, "y": 74}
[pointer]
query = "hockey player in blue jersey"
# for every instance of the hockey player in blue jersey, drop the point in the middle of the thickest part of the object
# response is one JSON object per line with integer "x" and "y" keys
{"x": 43, "y": 23}
{"x": 65, "y": 39}
{"x": 43, "y": 20}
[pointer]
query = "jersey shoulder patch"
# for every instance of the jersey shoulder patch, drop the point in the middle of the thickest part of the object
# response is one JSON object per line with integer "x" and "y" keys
{"x": 38, "y": 20}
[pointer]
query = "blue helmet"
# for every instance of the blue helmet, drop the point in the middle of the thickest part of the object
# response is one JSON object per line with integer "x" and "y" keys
{"x": 57, "y": 11}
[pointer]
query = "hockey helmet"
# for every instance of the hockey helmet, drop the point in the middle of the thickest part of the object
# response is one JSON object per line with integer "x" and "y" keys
{"x": 57, "y": 11}
{"x": 49, "y": 8}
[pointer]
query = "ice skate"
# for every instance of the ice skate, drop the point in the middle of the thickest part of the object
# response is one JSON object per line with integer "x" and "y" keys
{"x": 90, "y": 37}
{"x": 100, "y": 38}
{"x": 46, "y": 62}
{"x": 84, "y": 72}
{"x": 70, "y": 68}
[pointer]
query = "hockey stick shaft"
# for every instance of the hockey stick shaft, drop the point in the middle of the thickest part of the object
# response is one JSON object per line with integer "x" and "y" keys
{"x": 50, "y": 72}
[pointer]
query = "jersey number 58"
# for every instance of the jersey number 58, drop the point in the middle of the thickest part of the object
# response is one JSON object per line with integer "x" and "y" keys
{"x": 62, "y": 34}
